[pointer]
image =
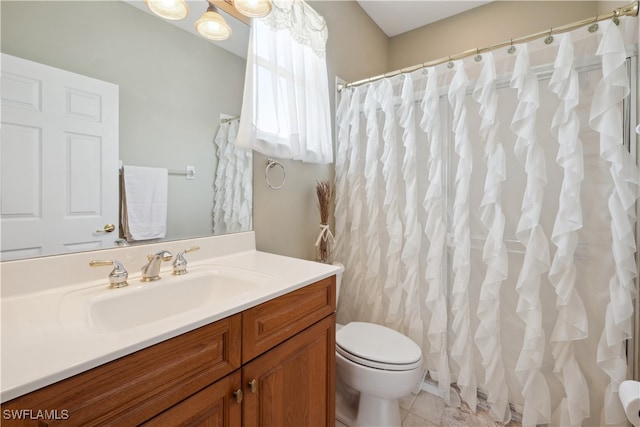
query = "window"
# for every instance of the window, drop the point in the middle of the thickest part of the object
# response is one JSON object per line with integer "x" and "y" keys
{"x": 285, "y": 110}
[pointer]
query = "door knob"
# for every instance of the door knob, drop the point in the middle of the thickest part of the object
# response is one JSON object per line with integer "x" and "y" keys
{"x": 238, "y": 395}
{"x": 254, "y": 385}
{"x": 108, "y": 228}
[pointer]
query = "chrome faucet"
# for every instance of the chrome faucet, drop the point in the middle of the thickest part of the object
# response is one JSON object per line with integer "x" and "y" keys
{"x": 151, "y": 271}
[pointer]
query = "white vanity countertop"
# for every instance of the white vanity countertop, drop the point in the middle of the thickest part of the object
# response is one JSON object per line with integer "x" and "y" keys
{"x": 39, "y": 349}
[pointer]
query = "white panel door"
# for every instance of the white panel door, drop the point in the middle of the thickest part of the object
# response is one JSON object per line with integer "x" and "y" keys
{"x": 59, "y": 160}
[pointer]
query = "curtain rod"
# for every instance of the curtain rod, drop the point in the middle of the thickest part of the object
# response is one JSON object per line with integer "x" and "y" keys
{"x": 628, "y": 10}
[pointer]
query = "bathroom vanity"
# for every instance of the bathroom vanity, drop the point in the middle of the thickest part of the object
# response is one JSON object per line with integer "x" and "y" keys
{"x": 268, "y": 358}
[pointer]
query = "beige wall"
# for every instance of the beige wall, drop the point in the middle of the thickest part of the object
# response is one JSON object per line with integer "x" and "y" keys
{"x": 483, "y": 26}
{"x": 356, "y": 46}
{"x": 606, "y": 6}
{"x": 286, "y": 220}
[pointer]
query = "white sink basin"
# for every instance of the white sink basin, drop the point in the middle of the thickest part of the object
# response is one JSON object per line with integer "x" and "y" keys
{"x": 114, "y": 310}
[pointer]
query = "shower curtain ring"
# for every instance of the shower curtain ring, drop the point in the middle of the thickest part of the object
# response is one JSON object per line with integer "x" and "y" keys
{"x": 615, "y": 19}
{"x": 512, "y": 48}
{"x": 594, "y": 27}
{"x": 478, "y": 57}
{"x": 549, "y": 38}
{"x": 450, "y": 64}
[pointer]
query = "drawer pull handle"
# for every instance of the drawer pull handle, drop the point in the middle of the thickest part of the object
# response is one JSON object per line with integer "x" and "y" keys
{"x": 254, "y": 385}
{"x": 238, "y": 395}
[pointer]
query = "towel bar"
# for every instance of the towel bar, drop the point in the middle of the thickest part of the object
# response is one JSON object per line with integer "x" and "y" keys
{"x": 189, "y": 173}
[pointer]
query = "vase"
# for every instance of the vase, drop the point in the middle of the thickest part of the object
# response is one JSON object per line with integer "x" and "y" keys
{"x": 324, "y": 245}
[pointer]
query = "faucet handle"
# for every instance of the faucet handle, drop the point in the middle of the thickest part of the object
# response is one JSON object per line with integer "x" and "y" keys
{"x": 180, "y": 263}
{"x": 163, "y": 255}
{"x": 117, "y": 277}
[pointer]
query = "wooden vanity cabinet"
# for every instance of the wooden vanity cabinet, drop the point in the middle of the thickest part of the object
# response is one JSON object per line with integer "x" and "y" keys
{"x": 205, "y": 377}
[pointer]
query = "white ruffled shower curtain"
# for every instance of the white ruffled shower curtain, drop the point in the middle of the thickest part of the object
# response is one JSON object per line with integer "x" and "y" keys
{"x": 486, "y": 208}
{"x": 232, "y": 185}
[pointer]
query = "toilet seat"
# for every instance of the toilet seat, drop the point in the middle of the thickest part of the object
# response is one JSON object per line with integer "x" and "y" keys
{"x": 377, "y": 347}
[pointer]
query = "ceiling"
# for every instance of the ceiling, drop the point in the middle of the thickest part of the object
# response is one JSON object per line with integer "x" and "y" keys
{"x": 399, "y": 16}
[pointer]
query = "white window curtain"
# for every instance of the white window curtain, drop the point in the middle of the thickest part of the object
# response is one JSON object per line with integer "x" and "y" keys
{"x": 285, "y": 110}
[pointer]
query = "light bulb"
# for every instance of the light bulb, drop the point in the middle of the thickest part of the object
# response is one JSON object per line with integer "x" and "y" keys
{"x": 212, "y": 25}
{"x": 169, "y": 9}
{"x": 253, "y": 8}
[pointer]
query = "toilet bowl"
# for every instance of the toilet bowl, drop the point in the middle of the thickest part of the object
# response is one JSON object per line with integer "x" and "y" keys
{"x": 375, "y": 366}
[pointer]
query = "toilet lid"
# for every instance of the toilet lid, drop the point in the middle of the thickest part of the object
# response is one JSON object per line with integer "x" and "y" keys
{"x": 377, "y": 346}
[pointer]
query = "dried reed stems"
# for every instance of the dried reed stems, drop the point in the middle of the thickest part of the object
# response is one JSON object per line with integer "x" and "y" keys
{"x": 325, "y": 193}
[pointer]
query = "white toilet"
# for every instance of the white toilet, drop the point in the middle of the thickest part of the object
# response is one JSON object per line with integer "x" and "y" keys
{"x": 375, "y": 366}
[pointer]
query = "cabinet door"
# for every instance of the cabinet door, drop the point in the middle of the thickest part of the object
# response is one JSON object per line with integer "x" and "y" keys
{"x": 215, "y": 406}
{"x": 294, "y": 382}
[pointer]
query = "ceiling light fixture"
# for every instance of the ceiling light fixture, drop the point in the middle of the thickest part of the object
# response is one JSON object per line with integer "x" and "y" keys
{"x": 253, "y": 8}
{"x": 169, "y": 9}
{"x": 212, "y": 25}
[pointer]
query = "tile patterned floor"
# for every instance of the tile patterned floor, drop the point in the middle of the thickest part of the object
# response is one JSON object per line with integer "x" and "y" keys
{"x": 427, "y": 410}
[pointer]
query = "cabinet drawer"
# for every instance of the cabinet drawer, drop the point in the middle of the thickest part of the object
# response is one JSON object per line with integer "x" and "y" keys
{"x": 272, "y": 322}
{"x": 132, "y": 389}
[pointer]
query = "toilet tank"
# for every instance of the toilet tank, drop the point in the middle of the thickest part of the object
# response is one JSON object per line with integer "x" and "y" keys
{"x": 338, "y": 280}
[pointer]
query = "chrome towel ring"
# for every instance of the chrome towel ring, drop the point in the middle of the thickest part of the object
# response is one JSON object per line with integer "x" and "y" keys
{"x": 271, "y": 163}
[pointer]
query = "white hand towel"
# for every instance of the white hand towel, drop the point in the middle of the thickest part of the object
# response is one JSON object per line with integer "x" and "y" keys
{"x": 146, "y": 202}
